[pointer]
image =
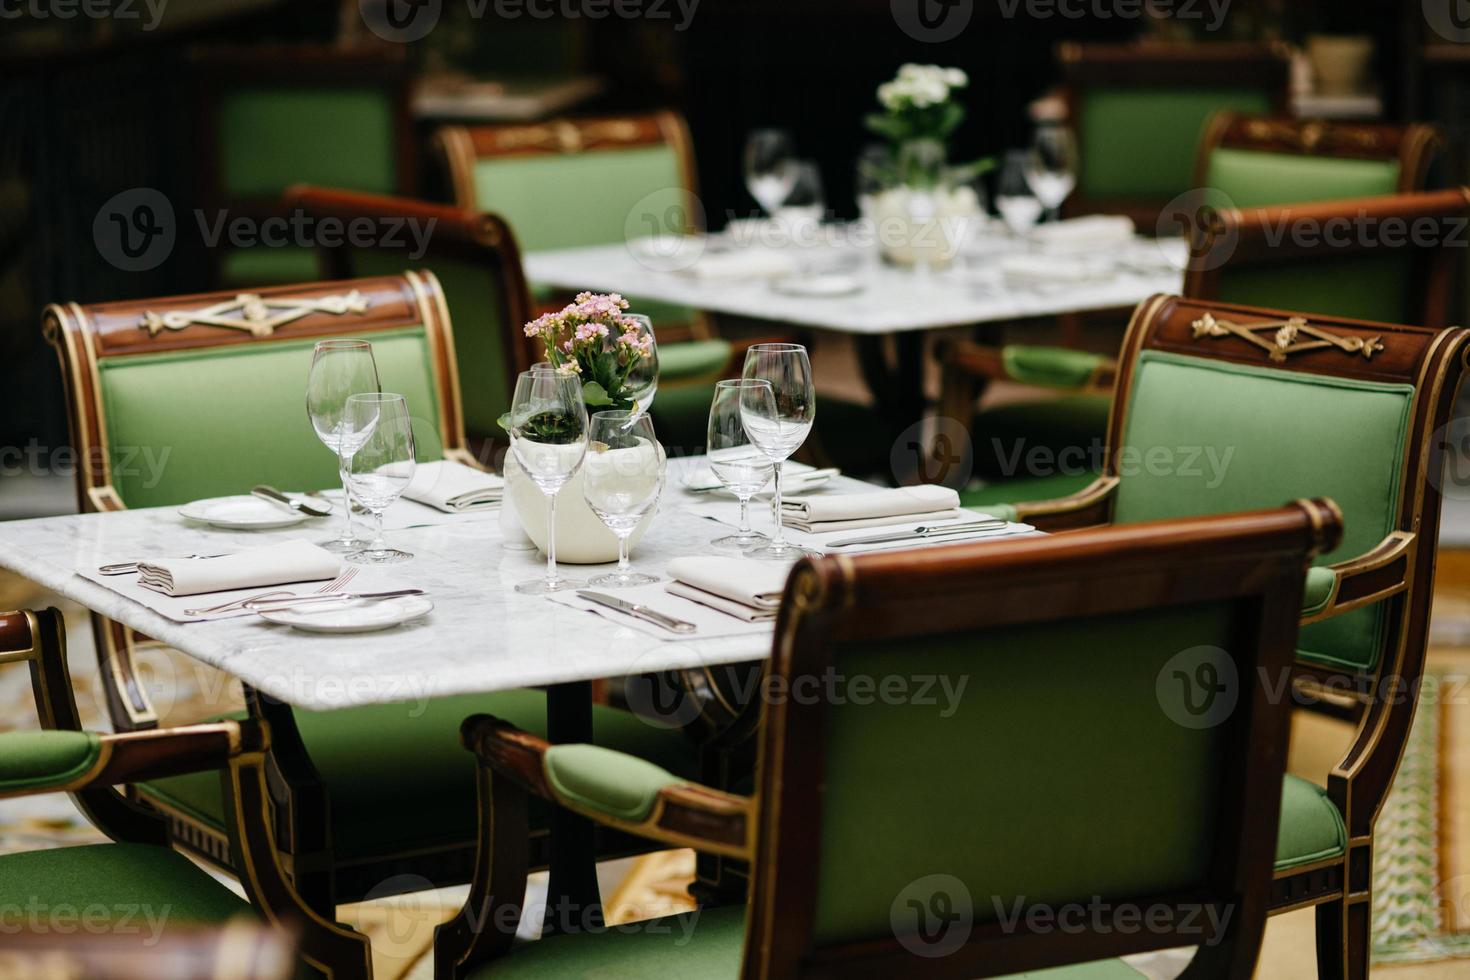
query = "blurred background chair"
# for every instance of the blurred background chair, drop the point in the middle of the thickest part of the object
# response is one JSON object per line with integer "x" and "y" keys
{"x": 1031, "y": 823}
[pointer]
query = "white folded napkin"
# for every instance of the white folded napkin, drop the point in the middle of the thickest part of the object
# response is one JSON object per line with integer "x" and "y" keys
{"x": 729, "y": 606}
{"x": 1040, "y": 270}
{"x": 757, "y": 585}
{"x": 837, "y": 512}
{"x": 1093, "y": 231}
{"x": 750, "y": 263}
{"x": 274, "y": 564}
{"x": 455, "y": 488}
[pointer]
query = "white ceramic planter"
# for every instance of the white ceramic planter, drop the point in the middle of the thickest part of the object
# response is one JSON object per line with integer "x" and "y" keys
{"x": 924, "y": 227}
{"x": 581, "y": 539}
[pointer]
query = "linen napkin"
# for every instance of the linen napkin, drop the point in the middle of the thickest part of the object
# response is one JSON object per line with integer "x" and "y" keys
{"x": 851, "y": 511}
{"x": 1094, "y": 231}
{"x": 742, "y": 587}
{"x": 1051, "y": 270}
{"x": 754, "y": 263}
{"x": 454, "y": 487}
{"x": 273, "y": 564}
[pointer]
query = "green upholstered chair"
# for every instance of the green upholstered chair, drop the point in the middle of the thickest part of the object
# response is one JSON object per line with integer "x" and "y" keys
{"x": 274, "y": 116}
{"x": 1220, "y": 407}
{"x": 580, "y": 182}
{"x": 140, "y": 901}
{"x": 899, "y": 834}
{"x": 220, "y": 394}
{"x": 477, "y": 261}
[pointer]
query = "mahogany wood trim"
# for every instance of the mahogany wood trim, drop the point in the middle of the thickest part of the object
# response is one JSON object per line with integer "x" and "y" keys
{"x": 1371, "y": 577}
{"x": 1088, "y": 507}
{"x": 1413, "y": 145}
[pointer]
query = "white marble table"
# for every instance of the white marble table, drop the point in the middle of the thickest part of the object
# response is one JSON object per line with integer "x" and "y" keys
{"x": 892, "y": 301}
{"x": 481, "y": 637}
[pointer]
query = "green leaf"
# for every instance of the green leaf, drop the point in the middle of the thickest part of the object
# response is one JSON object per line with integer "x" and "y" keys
{"x": 595, "y": 395}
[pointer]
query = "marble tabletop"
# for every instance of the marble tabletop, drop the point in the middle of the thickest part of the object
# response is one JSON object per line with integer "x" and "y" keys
{"x": 892, "y": 300}
{"x": 481, "y": 637}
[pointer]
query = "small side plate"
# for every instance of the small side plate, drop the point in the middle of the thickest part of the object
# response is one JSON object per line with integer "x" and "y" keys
{"x": 241, "y": 513}
{"x": 824, "y": 285}
{"x": 362, "y": 616}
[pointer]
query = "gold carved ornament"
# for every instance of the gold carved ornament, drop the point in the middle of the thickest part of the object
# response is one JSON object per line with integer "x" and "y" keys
{"x": 252, "y": 313}
{"x": 1287, "y": 337}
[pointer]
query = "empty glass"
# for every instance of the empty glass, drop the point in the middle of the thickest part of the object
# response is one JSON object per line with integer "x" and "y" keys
{"x": 339, "y": 369}
{"x": 1051, "y": 166}
{"x": 777, "y": 419}
{"x": 806, "y": 203}
{"x": 622, "y": 478}
{"x": 548, "y": 434}
{"x": 641, "y": 382}
{"x": 740, "y": 466}
{"x": 382, "y": 464}
{"x": 1014, "y": 198}
{"x": 769, "y": 167}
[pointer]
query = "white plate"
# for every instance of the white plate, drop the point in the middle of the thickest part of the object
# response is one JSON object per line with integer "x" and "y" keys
{"x": 242, "y": 513}
{"x": 831, "y": 284}
{"x": 358, "y": 616}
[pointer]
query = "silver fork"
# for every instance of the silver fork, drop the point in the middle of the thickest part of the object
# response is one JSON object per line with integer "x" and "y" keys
{"x": 333, "y": 586}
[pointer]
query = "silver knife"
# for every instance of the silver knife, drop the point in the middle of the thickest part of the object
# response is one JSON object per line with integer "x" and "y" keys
{"x": 266, "y": 492}
{"x": 276, "y": 605}
{"x": 921, "y": 532}
{"x": 638, "y": 611}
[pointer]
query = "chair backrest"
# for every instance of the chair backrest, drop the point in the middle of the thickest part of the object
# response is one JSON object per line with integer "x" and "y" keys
{"x": 1220, "y": 408}
{"x": 1387, "y": 258}
{"x": 575, "y": 182}
{"x": 1036, "y": 727}
{"x": 1257, "y": 161}
{"x": 1138, "y": 110}
{"x": 183, "y": 397}
{"x": 476, "y": 259}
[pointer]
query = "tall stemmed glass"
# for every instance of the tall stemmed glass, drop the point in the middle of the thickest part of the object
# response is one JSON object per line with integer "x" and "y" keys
{"x": 381, "y": 466}
{"x": 622, "y": 478}
{"x": 737, "y": 463}
{"x": 777, "y": 417}
{"x": 1051, "y": 166}
{"x": 770, "y": 167}
{"x": 641, "y": 383}
{"x": 548, "y": 434}
{"x": 339, "y": 369}
{"x": 1014, "y": 197}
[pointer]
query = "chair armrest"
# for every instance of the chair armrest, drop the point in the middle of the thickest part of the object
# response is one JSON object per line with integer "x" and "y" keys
{"x": 1361, "y": 581}
{"x": 68, "y": 761}
{"x": 1088, "y": 507}
{"x": 615, "y": 789}
{"x": 1044, "y": 367}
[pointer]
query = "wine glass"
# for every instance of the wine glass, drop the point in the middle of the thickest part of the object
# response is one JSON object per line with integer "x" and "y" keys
{"x": 381, "y": 467}
{"x": 339, "y": 369}
{"x": 622, "y": 478}
{"x": 1051, "y": 166}
{"x": 548, "y": 434}
{"x": 1014, "y": 198}
{"x": 777, "y": 418}
{"x": 737, "y": 463}
{"x": 806, "y": 202}
{"x": 769, "y": 167}
{"x": 641, "y": 382}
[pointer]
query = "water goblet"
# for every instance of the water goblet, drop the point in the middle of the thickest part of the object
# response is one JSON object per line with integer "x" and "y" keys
{"x": 622, "y": 478}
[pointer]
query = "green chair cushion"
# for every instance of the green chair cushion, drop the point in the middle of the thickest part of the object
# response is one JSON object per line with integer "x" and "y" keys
{"x": 331, "y": 136}
{"x": 610, "y": 782}
{"x": 681, "y": 416}
{"x": 190, "y": 424}
{"x": 1050, "y": 367}
{"x": 37, "y": 760}
{"x": 692, "y": 359}
{"x": 260, "y": 266}
{"x": 1253, "y": 179}
{"x": 996, "y": 499}
{"x": 1318, "y": 589}
{"x": 154, "y": 888}
{"x": 1208, "y": 437}
{"x": 1311, "y": 826}
{"x": 1046, "y": 437}
{"x": 1101, "y": 970}
{"x": 694, "y": 946}
{"x": 404, "y": 765}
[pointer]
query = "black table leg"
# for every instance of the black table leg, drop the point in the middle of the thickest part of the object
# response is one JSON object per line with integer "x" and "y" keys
{"x": 572, "y": 900}
{"x": 895, "y": 380}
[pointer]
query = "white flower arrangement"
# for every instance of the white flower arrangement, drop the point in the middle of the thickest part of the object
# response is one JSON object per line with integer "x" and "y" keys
{"x": 920, "y": 86}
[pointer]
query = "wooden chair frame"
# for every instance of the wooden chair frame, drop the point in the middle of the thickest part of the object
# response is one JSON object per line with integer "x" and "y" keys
{"x": 1398, "y": 572}
{"x": 476, "y": 237}
{"x": 1151, "y": 65}
{"x": 1255, "y": 559}
{"x": 237, "y": 748}
{"x": 1414, "y": 145}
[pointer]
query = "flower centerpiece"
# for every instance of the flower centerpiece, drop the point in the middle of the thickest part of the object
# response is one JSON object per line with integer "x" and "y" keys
{"x": 613, "y": 355}
{"x": 929, "y": 204}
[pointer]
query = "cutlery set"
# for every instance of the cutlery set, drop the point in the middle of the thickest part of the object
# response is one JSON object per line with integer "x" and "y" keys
{"x": 637, "y": 611}
{"x": 976, "y": 529}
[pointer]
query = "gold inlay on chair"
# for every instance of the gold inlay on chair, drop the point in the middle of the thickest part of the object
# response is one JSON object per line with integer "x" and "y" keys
{"x": 252, "y": 313}
{"x": 1286, "y": 337}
